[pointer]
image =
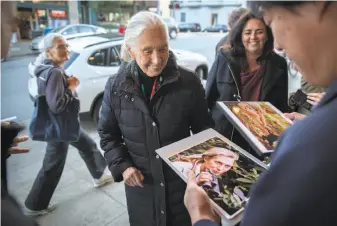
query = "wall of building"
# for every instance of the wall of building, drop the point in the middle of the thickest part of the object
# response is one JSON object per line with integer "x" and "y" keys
{"x": 164, "y": 8}
{"x": 202, "y": 15}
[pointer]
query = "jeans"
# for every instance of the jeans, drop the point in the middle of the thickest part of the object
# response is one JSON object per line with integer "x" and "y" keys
{"x": 53, "y": 165}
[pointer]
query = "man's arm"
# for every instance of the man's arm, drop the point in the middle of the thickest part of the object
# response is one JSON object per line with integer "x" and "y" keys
{"x": 116, "y": 153}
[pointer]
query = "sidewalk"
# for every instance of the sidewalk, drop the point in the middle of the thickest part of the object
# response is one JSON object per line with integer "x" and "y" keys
{"x": 78, "y": 202}
{"x": 21, "y": 48}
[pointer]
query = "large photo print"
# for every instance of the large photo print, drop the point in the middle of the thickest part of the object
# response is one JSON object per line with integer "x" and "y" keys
{"x": 222, "y": 171}
{"x": 263, "y": 121}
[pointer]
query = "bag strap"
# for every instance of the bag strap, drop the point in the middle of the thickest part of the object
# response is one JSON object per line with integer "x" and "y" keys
{"x": 42, "y": 81}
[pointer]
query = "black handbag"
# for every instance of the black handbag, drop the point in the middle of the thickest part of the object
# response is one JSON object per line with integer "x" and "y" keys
{"x": 48, "y": 126}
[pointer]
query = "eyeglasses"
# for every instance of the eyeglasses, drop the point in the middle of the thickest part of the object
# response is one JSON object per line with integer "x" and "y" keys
{"x": 62, "y": 47}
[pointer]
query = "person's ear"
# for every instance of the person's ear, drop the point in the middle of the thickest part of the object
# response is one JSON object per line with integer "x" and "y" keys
{"x": 132, "y": 55}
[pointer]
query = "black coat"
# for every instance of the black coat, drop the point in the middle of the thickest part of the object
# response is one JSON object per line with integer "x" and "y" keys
{"x": 223, "y": 84}
{"x": 131, "y": 129}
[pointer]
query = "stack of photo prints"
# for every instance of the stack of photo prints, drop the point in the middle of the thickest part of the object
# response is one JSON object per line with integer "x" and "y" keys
{"x": 224, "y": 170}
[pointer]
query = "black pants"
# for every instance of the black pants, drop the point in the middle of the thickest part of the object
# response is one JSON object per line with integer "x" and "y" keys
{"x": 52, "y": 168}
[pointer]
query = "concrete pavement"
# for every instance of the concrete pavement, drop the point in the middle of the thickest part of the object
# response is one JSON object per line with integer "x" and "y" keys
{"x": 21, "y": 48}
{"x": 78, "y": 202}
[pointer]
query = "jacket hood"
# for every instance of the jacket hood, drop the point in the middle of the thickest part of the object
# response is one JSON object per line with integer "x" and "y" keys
{"x": 43, "y": 67}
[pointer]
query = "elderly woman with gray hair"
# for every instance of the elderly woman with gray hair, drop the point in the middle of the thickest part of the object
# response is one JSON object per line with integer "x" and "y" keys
{"x": 151, "y": 102}
{"x": 60, "y": 91}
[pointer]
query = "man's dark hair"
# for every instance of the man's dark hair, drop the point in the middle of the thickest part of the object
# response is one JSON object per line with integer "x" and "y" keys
{"x": 236, "y": 43}
{"x": 235, "y": 15}
{"x": 258, "y": 6}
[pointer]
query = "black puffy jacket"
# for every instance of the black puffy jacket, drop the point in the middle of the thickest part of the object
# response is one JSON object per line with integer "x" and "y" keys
{"x": 131, "y": 129}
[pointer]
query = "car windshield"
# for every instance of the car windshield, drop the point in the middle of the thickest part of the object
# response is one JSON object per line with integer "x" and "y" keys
{"x": 56, "y": 30}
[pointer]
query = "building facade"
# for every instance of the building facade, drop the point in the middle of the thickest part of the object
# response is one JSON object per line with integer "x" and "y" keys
{"x": 38, "y": 16}
{"x": 112, "y": 14}
{"x": 205, "y": 12}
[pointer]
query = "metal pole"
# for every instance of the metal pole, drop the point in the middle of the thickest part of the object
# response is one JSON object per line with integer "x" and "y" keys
{"x": 158, "y": 7}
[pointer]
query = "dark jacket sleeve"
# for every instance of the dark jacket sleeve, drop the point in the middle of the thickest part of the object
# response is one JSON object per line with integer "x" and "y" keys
{"x": 58, "y": 96}
{"x": 116, "y": 153}
{"x": 205, "y": 223}
{"x": 211, "y": 88}
{"x": 200, "y": 118}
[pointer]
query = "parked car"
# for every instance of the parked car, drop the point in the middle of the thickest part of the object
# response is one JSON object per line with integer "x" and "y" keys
{"x": 195, "y": 27}
{"x": 93, "y": 61}
{"x": 216, "y": 28}
{"x": 172, "y": 27}
{"x": 69, "y": 31}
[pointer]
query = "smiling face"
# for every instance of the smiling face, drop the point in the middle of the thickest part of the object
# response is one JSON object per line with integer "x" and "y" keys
{"x": 151, "y": 51}
{"x": 254, "y": 36}
{"x": 307, "y": 33}
{"x": 59, "y": 52}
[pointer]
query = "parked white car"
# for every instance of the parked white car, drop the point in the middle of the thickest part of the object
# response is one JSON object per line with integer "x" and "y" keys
{"x": 93, "y": 60}
{"x": 69, "y": 31}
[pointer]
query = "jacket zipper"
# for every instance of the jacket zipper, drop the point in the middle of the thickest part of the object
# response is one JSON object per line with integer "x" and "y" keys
{"x": 238, "y": 98}
{"x": 236, "y": 84}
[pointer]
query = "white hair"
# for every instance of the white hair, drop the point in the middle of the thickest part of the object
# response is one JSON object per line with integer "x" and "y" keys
{"x": 136, "y": 26}
{"x": 49, "y": 39}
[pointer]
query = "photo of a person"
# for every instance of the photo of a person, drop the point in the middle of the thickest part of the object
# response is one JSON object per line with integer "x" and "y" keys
{"x": 221, "y": 170}
{"x": 261, "y": 120}
{"x": 207, "y": 166}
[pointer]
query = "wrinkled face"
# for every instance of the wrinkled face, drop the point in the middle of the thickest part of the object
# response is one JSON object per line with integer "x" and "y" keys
{"x": 151, "y": 51}
{"x": 254, "y": 36}
{"x": 308, "y": 38}
{"x": 219, "y": 164}
{"x": 8, "y": 25}
{"x": 59, "y": 53}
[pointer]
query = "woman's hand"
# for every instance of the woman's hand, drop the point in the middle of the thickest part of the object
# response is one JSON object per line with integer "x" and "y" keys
{"x": 73, "y": 82}
{"x": 204, "y": 177}
{"x": 314, "y": 98}
{"x": 133, "y": 177}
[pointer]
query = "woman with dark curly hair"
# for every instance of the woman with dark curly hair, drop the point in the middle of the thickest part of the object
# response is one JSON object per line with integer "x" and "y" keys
{"x": 249, "y": 71}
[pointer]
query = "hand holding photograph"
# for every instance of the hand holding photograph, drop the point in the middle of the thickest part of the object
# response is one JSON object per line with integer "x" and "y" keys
{"x": 223, "y": 170}
{"x": 259, "y": 122}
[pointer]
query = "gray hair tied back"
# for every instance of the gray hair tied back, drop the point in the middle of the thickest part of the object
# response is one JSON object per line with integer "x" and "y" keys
{"x": 49, "y": 39}
{"x": 136, "y": 26}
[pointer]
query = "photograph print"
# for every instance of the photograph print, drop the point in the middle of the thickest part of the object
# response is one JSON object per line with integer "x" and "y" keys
{"x": 221, "y": 170}
{"x": 259, "y": 121}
